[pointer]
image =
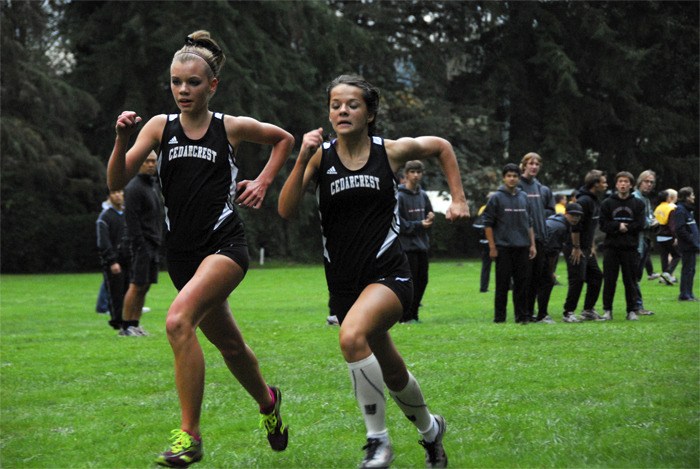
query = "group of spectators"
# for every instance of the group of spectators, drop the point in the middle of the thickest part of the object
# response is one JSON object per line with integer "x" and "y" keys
{"x": 524, "y": 231}
{"x": 129, "y": 232}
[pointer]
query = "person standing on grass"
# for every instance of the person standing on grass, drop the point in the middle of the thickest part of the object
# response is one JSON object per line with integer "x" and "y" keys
{"x": 144, "y": 226}
{"x": 580, "y": 254}
{"x": 368, "y": 275}
{"x": 686, "y": 230}
{"x": 558, "y": 235}
{"x": 665, "y": 237}
{"x": 206, "y": 245}
{"x": 621, "y": 219}
{"x": 541, "y": 203}
{"x": 416, "y": 217}
{"x": 114, "y": 255}
{"x": 508, "y": 229}
{"x": 645, "y": 184}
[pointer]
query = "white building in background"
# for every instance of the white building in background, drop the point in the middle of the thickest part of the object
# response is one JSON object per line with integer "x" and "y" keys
{"x": 440, "y": 200}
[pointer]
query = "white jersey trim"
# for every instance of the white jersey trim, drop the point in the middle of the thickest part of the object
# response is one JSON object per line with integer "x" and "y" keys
{"x": 393, "y": 232}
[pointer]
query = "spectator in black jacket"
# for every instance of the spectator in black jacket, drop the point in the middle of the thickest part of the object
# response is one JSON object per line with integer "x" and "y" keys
{"x": 144, "y": 222}
{"x": 114, "y": 254}
{"x": 558, "y": 235}
{"x": 621, "y": 219}
{"x": 580, "y": 253}
{"x": 688, "y": 241}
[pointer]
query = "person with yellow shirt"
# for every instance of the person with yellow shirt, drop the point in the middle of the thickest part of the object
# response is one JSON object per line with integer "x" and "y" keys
{"x": 559, "y": 204}
{"x": 665, "y": 237}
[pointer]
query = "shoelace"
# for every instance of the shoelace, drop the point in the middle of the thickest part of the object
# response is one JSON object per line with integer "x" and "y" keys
{"x": 181, "y": 440}
{"x": 371, "y": 447}
{"x": 431, "y": 449}
{"x": 268, "y": 422}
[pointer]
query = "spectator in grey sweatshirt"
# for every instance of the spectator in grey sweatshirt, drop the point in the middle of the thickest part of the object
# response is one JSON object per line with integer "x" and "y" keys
{"x": 541, "y": 202}
{"x": 508, "y": 229}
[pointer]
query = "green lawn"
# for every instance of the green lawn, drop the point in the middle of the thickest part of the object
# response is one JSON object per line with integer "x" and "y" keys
{"x": 617, "y": 394}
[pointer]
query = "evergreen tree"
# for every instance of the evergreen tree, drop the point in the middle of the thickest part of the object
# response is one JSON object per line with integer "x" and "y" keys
{"x": 51, "y": 185}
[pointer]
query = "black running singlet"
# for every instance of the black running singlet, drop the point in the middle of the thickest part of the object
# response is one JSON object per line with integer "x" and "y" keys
{"x": 198, "y": 180}
{"x": 359, "y": 219}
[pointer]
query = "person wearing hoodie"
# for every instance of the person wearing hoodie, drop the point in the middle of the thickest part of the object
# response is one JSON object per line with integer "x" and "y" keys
{"x": 645, "y": 184}
{"x": 559, "y": 228}
{"x": 541, "y": 202}
{"x": 416, "y": 217}
{"x": 688, "y": 241}
{"x": 113, "y": 248}
{"x": 508, "y": 229}
{"x": 621, "y": 219}
{"x": 580, "y": 254}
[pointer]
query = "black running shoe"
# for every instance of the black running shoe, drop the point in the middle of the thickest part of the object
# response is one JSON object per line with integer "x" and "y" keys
{"x": 434, "y": 452}
{"x": 184, "y": 450}
{"x": 277, "y": 432}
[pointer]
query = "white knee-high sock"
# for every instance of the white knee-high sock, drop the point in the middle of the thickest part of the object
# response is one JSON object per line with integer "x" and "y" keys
{"x": 368, "y": 384}
{"x": 410, "y": 400}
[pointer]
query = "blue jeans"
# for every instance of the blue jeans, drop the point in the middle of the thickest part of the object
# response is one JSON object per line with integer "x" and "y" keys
{"x": 102, "y": 305}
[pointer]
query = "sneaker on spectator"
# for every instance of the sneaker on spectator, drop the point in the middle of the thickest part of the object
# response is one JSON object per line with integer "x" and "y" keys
{"x": 644, "y": 312}
{"x": 129, "y": 332}
{"x": 140, "y": 331}
{"x": 653, "y": 276}
{"x": 570, "y": 317}
{"x": 590, "y": 315}
{"x": 632, "y": 316}
{"x": 332, "y": 321}
{"x": 666, "y": 278}
{"x": 546, "y": 320}
{"x": 607, "y": 315}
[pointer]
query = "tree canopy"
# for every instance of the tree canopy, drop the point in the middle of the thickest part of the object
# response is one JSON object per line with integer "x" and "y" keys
{"x": 607, "y": 85}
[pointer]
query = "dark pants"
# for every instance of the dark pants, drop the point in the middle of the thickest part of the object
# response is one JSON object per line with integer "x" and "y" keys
{"x": 687, "y": 274}
{"x": 511, "y": 263}
{"x": 588, "y": 272}
{"x": 418, "y": 260}
{"x": 485, "y": 268}
{"x": 537, "y": 276}
{"x": 548, "y": 284}
{"x": 668, "y": 249}
{"x": 116, "y": 289}
{"x": 615, "y": 260}
{"x": 642, "y": 260}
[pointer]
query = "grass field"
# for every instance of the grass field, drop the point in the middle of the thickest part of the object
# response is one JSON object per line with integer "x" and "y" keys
{"x": 617, "y": 394}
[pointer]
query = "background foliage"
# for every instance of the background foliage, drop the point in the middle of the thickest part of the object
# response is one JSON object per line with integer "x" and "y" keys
{"x": 608, "y": 85}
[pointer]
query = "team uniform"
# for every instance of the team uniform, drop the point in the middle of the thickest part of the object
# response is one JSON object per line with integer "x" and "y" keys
{"x": 198, "y": 180}
{"x": 360, "y": 227}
